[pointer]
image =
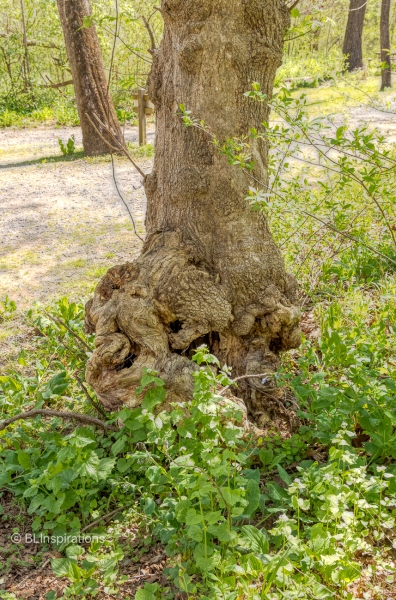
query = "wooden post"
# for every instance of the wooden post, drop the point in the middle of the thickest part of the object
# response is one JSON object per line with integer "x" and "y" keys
{"x": 142, "y": 117}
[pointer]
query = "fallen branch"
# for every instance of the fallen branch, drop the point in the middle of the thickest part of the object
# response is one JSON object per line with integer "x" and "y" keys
{"x": 62, "y": 415}
{"x": 111, "y": 514}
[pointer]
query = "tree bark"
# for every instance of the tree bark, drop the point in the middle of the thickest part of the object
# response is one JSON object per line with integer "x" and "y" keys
{"x": 89, "y": 78}
{"x": 352, "y": 47}
{"x": 210, "y": 272}
{"x": 386, "y": 76}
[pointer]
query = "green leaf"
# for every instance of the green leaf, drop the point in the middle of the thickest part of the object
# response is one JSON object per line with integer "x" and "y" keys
{"x": 74, "y": 551}
{"x": 252, "y": 496}
{"x": 153, "y": 397}
{"x": 254, "y": 539}
{"x": 105, "y": 467}
{"x": 90, "y": 467}
{"x": 63, "y": 567}
{"x": 284, "y": 475}
{"x": 24, "y": 459}
{"x": 119, "y": 445}
{"x": 147, "y": 593}
{"x": 266, "y": 456}
{"x": 149, "y": 506}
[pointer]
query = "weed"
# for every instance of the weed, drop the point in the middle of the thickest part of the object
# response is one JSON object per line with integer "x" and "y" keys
{"x": 70, "y": 146}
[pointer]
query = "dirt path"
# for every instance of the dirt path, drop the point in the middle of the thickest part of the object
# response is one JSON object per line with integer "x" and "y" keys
{"x": 62, "y": 223}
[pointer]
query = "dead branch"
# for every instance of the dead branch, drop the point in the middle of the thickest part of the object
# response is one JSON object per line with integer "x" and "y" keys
{"x": 110, "y": 514}
{"x": 62, "y": 415}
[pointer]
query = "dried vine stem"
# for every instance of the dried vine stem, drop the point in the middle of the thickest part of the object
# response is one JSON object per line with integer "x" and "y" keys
{"x": 62, "y": 415}
{"x": 252, "y": 375}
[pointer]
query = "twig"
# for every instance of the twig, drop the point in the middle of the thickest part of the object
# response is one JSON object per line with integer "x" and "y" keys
{"x": 151, "y": 34}
{"x": 62, "y": 415}
{"x": 123, "y": 200}
{"x": 257, "y": 376}
{"x": 111, "y": 514}
{"x": 60, "y": 84}
{"x": 119, "y": 147}
{"x": 293, "y": 5}
{"x": 60, "y": 322}
{"x": 96, "y": 405}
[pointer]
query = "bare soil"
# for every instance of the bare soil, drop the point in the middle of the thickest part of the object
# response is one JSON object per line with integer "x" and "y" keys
{"x": 62, "y": 223}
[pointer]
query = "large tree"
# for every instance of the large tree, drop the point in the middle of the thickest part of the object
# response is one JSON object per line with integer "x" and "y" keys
{"x": 209, "y": 271}
{"x": 386, "y": 79}
{"x": 89, "y": 77}
{"x": 352, "y": 47}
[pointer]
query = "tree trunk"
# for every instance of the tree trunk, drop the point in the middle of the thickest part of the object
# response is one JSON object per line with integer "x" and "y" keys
{"x": 89, "y": 78}
{"x": 352, "y": 47}
{"x": 386, "y": 79}
{"x": 210, "y": 272}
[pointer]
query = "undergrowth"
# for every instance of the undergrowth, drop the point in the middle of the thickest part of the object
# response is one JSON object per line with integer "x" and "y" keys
{"x": 241, "y": 515}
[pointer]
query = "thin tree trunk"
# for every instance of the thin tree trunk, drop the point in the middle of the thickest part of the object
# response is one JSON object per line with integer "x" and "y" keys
{"x": 28, "y": 82}
{"x": 89, "y": 78}
{"x": 210, "y": 272}
{"x": 352, "y": 47}
{"x": 386, "y": 79}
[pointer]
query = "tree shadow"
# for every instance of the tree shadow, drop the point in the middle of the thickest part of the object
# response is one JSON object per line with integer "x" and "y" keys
{"x": 46, "y": 160}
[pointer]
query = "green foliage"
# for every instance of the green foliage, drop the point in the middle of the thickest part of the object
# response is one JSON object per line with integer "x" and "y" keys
{"x": 207, "y": 487}
{"x": 68, "y": 148}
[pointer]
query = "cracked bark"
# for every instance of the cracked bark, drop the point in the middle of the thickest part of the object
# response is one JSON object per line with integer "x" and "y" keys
{"x": 209, "y": 271}
{"x": 89, "y": 78}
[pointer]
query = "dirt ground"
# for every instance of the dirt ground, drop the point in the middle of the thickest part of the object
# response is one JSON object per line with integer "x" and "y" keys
{"x": 62, "y": 223}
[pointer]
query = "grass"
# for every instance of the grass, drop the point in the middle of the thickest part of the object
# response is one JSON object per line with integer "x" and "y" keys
{"x": 347, "y": 93}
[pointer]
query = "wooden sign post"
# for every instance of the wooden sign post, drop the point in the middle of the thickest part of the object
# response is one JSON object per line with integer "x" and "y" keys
{"x": 145, "y": 107}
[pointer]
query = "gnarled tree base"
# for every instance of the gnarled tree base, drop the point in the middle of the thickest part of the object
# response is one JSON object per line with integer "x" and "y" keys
{"x": 155, "y": 311}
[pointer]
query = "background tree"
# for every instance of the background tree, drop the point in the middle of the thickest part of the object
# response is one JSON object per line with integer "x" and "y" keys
{"x": 209, "y": 271}
{"x": 386, "y": 78}
{"x": 352, "y": 47}
{"x": 89, "y": 78}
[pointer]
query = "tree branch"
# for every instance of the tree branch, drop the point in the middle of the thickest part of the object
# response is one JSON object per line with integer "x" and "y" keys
{"x": 62, "y": 415}
{"x": 293, "y": 5}
{"x": 151, "y": 34}
{"x": 58, "y": 85}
